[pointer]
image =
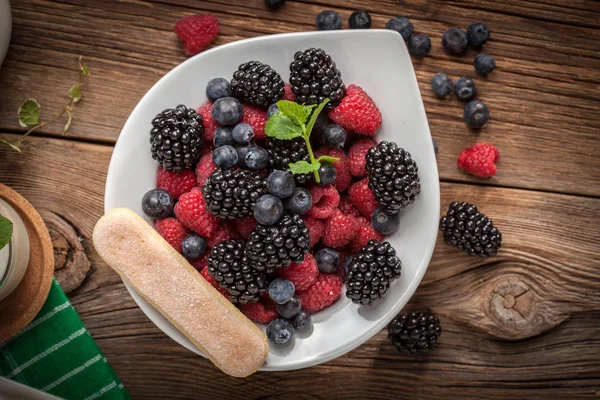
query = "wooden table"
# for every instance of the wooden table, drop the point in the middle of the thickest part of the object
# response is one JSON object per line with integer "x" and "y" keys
{"x": 524, "y": 324}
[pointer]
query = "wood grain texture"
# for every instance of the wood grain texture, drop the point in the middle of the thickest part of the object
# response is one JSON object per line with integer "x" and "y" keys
{"x": 544, "y": 96}
{"x": 524, "y": 324}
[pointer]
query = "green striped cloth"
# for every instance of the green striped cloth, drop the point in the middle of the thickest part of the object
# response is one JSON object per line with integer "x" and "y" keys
{"x": 56, "y": 354}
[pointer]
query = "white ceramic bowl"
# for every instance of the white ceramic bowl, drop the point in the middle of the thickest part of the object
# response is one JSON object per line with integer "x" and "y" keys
{"x": 376, "y": 60}
{"x": 5, "y": 27}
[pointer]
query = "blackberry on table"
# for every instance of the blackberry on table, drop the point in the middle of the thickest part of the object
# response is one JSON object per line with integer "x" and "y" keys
{"x": 393, "y": 176}
{"x": 465, "y": 228}
{"x": 257, "y": 84}
{"x": 232, "y": 193}
{"x": 228, "y": 266}
{"x": 314, "y": 77}
{"x": 284, "y": 152}
{"x": 414, "y": 332}
{"x": 371, "y": 272}
{"x": 278, "y": 245}
{"x": 176, "y": 137}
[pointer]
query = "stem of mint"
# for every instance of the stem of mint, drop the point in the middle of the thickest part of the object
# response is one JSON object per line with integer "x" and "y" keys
{"x": 308, "y": 131}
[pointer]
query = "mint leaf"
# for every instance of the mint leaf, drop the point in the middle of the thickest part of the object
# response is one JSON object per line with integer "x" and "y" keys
{"x": 313, "y": 117}
{"x": 294, "y": 111}
{"x": 68, "y": 124}
{"x": 6, "y": 229}
{"x": 303, "y": 167}
{"x": 9, "y": 144}
{"x": 85, "y": 71}
{"x": 29, "y": 113}
{"x": 75, "y": 93}
{"x": 328, "y": 159}
{"x": 282, "y": 127}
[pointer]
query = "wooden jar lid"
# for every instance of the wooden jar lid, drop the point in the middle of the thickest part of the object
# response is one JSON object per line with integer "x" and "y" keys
{"x": 26, "y": 301}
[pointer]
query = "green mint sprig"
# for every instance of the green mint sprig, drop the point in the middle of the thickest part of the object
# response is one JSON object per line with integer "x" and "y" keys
{"x": 6, "y": 230}
{"x": 296, "y": 120}
{"x": 29, "y": 112}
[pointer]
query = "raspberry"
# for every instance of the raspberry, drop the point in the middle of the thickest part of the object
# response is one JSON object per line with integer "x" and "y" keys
{"x": 365, "y": 233}
{"x": 245, "y": 226}
{"x": 315, "y": 228}
{"x": 207, "y": 148}
{"x": 204, "y": 168}
{"x": 256, "y": 118}
{"x": 346, "y": 206}
{"x": 175, "y": 183}
{"x": 196, "y": 32}
{"x": 479, "y": 160}
{"x": 302, "y": 275}
{"x": 191, "y": 211}
{"x": 325, "y": 201}
{"x": 172, "y": 231}
{"x": 363, "y": 198}
{"x": 289, "y": 95}
{"x": 343, "y": 176}
{"x": 207, "y": 120}
{"x": 341, "y": 271}
{"x": 339, "y": 230}
{"x": 215, "y": 284}
{"x": 225, "y": 231}
{"x": 259, "y": 312}
{"x": 200, "y": 263}
{"x": 357, "y": 112}
{"x": 321, "y": 294}
{"x": 356, "y": 157}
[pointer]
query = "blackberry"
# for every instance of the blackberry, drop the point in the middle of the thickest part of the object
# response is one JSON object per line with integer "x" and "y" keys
{"x": 393, "y": 176}
{"x": 371, "y": 271}
{"x": 465, "y": 228}
{"x": 228, "y": 266}
{"x": 284, "y": 152}
{"x": 278, "y": 245}
{"x": 176, "y": 137}
{"x": 232, "y": 193}
{"x": 314, "y": 77}
{"x": 257, "y": 84}
{"x": 415, "y": 332}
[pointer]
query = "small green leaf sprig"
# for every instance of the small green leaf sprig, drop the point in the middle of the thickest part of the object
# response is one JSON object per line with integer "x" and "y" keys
{"x": 6, "y": 230}
{"x": 29, "y": 112}
{"x": 296, "y": 120}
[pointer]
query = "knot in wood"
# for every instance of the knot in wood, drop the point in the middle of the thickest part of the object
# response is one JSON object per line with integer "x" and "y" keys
{"x": 511, "y": 306}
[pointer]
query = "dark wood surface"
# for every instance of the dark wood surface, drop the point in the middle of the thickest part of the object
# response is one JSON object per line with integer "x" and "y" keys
{"x": 525, "y": 324}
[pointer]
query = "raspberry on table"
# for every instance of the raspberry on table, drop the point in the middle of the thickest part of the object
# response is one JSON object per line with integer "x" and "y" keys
{"x": 479, "y": 160}
{"x": 357, "y": 154}
{"x": 339, "y": 230}
{"x": 172, "y": 230}
{"x": 215, "y": 284}
{"x": 357, "y": 112}
{"x": 204, "y": 168}
{"x": 259, "y": 312}
{"x": 315, "y": 228}
{"x": 210, "y": 125}
{"x": 245, "y": 226}
{"x": 192, "y": 212}
{"x": 366, "y": 232}
{"x": 174, "y": 183}
{"x": 325, "y": 201}
{"x": 347, "y": 207}
{"x": 225, "y": 231}
{"x": 326, "y": 289}
{"x": 343, "y": 178}
{"x": 196, "y": 32}
{"x": 301, "y": 275}
{"x": 363, "y": 198}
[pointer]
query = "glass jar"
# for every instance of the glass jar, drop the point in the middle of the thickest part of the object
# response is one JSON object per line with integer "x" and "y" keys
{"x": 14, "y": 257}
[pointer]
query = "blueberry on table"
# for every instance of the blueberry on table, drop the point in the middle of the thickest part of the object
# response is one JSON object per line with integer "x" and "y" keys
{"x": 268, "y": 209}
{"x": 225, "y": 157}
{"x": 280, "y": 331}
{"x": 477, "y": 34}
{"x": 484, "y": 63}
{"x": 223, "y": 135}
{"x": 290, "y": 308}
{"x": 360, "y": 19}
{"x": 242, "y": 133}
{"x": 193, "y": 246}
{"x": 227, "y": 111}
{"x": 419, "y": 45}
{"x": 401, "y": 25}
{"x": 281, "y": 183}
{"x": 217, "y": 88}
{"x": 465, "y": 89}
{"x": 384, "y": 222}
{"x": 302, "y": 321}
{"x": 281, "y": 290}
{"x": 256, "y": 158}
{"x": 455, "y": 41}
{"x": 476, "y": 114}
{"x": 157, "y": 204}
{"x": 274, "y": 4}
{"x": 327, "y": 174}
{"x": 329, "y": 20}
{"x": 300, "y": 202}
{"x": 334, "y": 136}
{"x": 441, "y": 84}
{"x": 328, "y": 260}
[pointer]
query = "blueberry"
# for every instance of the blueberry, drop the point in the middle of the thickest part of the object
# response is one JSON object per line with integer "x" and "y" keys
{"x": 291, "y": 308}
{"x": 401, "y": 25}
{"x": 455, "y": 41}
{"x": 268, "y": 209}
{"x": 256, "y": 158}
{"x": 193, "y": 246}
{"x": 281, "y": 183}
{"x": 157, "y": 203}
{"x": 241, "y": 152}
{"x": 327, "y": 173}
{"x": 274, "y": 4}
{"x": 484, "y": 63}
{"x": 217, "y": 88}
{"x": 225, "y": 157}
{"x": 281, "y": 290}
{"x": 476, "y": 114}
{"x": 273, "y": 109}
{"x": 328, "y": 20}
{"x": 385, "y": 223}
{"x": 223, "y": 135}
{"x": 435, "y": 145}
{"x": 465, "y": 89}
{"x": 280, "y": 331}
{"x": 477, "y": 34}
{"x": 227, "y": 111}
{"x": 347, "y": 262}
{"x": 300, "y": 202}
{"x": 360, "y": 19}
{"x": 441, "y": 84}
{"x": 328, "y": 260}
{"x": 242, "y": 133}
{"x": 334, "y": 136}
{"x": 419, "y": 45}
{"x": 302, "y": 321}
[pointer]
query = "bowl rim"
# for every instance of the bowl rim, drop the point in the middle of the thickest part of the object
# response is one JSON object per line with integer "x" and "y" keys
{"x": 378, "y": 325}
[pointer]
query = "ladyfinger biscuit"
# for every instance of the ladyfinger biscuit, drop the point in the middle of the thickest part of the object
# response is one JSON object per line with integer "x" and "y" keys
{"x": 167, "y": 281}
